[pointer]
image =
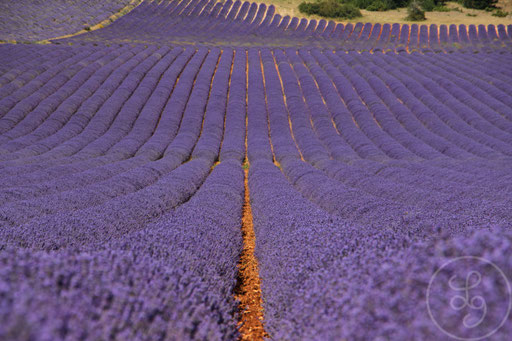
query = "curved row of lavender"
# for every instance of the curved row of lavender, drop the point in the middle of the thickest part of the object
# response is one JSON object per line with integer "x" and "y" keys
{"x": 242, "y": 23}
{"x": 33, "y": 20}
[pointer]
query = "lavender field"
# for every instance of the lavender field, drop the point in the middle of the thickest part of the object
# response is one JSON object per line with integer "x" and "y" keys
{"x": 203, "y": 170}
{"x": 35, "y": 20}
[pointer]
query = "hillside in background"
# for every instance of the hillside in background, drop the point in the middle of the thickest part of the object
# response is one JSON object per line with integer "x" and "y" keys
{"x": 477, "y": 17}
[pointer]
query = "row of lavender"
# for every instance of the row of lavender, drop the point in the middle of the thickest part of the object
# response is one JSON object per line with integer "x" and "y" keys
{"x": 29, "y": 20}
{"x": 117, "y": 222}
{"x": 247, "y": 24}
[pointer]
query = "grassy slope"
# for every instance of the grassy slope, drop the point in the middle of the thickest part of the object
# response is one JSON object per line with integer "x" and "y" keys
{"x": 289, "y": 7}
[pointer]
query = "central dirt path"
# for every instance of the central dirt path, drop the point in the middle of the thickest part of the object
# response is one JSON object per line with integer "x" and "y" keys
{"x": 248, "y": 290}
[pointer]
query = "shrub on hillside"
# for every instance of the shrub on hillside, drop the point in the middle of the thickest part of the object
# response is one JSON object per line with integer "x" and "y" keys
{"x": 344, "y": 8}
{"x": 415, "y": 13}
{"x": 427, "y": 5}
{"x": 499, "y": 13}
{"x": 309, "y": 7}
{"x": 330, "y": 9}
{"x": 378, "y": 5}
{"x": 432, "y": 5}
{"x": 478, "y": 4}
{"x": 362, "y": 4}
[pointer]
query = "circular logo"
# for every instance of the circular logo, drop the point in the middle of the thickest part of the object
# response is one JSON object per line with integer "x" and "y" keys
{"x": 469, "y": 298}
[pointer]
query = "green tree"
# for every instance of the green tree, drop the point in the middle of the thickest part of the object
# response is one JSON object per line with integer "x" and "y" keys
{"x": 479, "y": 4}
